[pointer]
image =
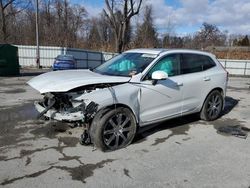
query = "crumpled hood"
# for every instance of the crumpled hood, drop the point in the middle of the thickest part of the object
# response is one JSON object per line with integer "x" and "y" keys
{"x": 62, "y": 81}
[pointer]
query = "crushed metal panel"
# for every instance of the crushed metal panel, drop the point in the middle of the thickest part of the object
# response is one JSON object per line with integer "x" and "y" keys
{"x": 53, "y": 114}
{"x": 63, "y": 81}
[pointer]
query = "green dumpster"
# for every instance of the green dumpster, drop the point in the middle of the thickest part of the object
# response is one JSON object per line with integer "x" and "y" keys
{"x": 9, "y": 64}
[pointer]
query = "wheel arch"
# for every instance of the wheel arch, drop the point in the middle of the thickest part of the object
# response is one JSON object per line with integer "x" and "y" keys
{"x": 95, "y": 127}
{"x": 214, "y": 89}
{"x": 105, "y": 109}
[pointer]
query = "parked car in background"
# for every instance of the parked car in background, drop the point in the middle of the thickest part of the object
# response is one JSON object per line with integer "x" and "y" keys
{"x": 134, "y": 89}
{"x": 64, "y": 62}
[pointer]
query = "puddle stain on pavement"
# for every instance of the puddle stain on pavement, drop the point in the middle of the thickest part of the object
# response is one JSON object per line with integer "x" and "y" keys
{"x": 36, "y": 174}
{"x": 180, "y": 130}
{"x": 2, "y": 158}
{"x": 238, "y": 131}
{"x": 79, "y": 173}
{"x": 50, "y": 130}
{"x": 13, "y": 121}
{"x": 10, "y": 120}
{"x": 186, "y": 139}
{"x": 67, "y": 141}
{"x": 126, "y": 172}
{"x": 84, "y": 171}
{"x": 28, "y": 161}
{"x": 19, "y": 82}
{"x": 13, "y": 125}
{"x": 226, "y": 122}
{"x": 180, "y": 126}
{"x": 229, "y": 126}
{"x": 177, "y": 126}
{"x": 14, "y": 91}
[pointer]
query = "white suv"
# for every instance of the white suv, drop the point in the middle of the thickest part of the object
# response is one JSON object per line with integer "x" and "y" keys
{"x": 134, "y": 89}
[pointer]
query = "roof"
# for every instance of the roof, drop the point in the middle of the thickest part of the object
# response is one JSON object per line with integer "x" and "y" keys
{"x": 154, "y": 51}
{"x": 157, "y": 51}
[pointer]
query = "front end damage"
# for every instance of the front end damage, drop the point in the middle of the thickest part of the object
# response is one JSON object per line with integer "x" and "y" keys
{"x": 66, "y": 107}
{"x": 76, "y": 96}
{"x": 70, "y": 107}
{"x": 63, "y": 107}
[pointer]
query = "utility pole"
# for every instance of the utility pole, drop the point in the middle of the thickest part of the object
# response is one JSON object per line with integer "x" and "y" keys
{"x": 37, "y": 37}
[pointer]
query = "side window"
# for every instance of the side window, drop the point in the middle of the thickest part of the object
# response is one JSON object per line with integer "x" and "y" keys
{"x": 169, "y": 64}
{"x": 191, "y": 63}
{"x": 207, "y": 63}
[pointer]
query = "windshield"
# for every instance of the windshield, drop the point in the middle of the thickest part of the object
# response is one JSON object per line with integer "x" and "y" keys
{"x": 126, "y": 64}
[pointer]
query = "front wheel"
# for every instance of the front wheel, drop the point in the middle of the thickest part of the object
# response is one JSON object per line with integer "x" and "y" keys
{"x": 113, "y": 130}
{"x": 212, "y": 106}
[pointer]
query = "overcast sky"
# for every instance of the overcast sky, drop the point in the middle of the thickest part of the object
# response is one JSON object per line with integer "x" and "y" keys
{"x": 186, "y": 16}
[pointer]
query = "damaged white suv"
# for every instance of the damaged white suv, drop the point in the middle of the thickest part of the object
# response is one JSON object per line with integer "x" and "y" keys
{"x": 134, "y": 89}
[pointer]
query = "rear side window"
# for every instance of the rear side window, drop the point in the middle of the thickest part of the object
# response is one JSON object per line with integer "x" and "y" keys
{"x": 191, "y": 63}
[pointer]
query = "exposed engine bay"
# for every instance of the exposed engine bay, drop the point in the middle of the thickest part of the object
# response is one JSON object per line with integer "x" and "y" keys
{"x": 65, "y": 106}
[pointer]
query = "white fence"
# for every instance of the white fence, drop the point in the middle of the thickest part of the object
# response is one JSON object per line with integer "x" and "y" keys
{"x": 90, "y": 59}
{"x": 236, "y": 67}
{"x": 84, "y": 58}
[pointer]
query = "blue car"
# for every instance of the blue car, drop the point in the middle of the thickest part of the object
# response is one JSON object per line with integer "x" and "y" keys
{"x": 64, "y": 62}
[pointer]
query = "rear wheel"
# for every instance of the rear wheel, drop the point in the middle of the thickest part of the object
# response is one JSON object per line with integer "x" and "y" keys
{"x": 212, "y": 107}
{"x": 113, "y": 130}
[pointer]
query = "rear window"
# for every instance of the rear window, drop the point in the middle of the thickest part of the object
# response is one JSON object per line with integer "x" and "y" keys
{"x": 191, "y": 63}
{"x": 65, "y": 57}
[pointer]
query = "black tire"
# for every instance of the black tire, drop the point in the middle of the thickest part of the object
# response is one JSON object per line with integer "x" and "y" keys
{"x": 113, "y": 130}
{"x": 212, "y": 106}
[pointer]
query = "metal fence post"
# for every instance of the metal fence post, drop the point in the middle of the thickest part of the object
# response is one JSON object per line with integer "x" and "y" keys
{"x": 101, "y": 58}
{"x": 37, "y": 37}
{"x": 87, "y": 60}
{"x": 245, "y": 70}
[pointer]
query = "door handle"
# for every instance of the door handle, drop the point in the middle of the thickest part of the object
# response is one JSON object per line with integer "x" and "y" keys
{"x": 179, "y": 84}
{"x": 206, "y": 78}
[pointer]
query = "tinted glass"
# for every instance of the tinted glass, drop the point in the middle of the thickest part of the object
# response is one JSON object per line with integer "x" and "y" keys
{"x": 65, "y": 57}
{"x": 208, "y": 63}
{"x": 168, "y": 64}
{"x": 195, "y": 63}
{"x": 126, "y": 64}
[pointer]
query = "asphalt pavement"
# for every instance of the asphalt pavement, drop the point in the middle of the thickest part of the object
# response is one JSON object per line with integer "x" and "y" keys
{"x": 183, "y": 152}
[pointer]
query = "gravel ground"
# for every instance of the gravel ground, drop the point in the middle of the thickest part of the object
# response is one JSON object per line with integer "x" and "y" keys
{"x": 184, "y": 152}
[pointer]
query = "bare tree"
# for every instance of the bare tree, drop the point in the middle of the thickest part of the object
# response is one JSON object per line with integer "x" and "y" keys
{"x": 209, "y": 35}
{"x": 3, "y": 7}
{"x": 61, "y": 23}
{"x": 7, "y": 11}
{"x": 119, "y": 14}
{"x": 146, "y": 34}
{"x": 106, "y": 33}
{"x": 94, "y": 39}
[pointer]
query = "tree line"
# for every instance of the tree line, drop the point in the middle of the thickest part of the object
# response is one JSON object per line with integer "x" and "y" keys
{"x": 62, "y": 23}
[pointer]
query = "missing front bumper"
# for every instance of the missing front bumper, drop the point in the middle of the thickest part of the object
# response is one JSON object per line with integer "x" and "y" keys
{"x": 60, "y": 116}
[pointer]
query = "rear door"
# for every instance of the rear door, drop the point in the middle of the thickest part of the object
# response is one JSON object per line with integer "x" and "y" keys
{"x": 195, "y": 80}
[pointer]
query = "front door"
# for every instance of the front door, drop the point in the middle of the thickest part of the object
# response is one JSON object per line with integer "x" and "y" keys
{"x": 164, "y": 99}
